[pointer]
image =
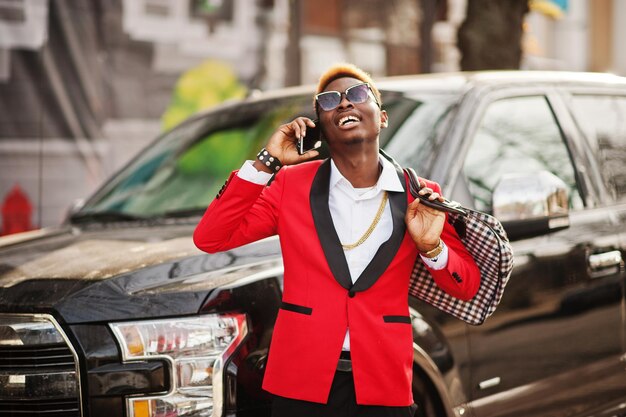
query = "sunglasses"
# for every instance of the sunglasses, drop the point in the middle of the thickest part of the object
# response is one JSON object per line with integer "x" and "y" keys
{"x": 357, "y": 94}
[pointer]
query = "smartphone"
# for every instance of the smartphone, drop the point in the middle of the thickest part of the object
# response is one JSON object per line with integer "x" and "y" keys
{"x": 312, "y": 139}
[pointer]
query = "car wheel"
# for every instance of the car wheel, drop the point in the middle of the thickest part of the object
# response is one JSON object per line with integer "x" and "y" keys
{"x": 426, "y": 398}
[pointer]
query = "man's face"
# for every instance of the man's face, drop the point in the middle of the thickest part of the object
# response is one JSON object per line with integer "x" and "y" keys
{"x": 350, "y": 123}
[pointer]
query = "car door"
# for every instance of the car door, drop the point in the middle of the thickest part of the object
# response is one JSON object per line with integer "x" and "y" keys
{"x": 600, "y": 118}
{"x": 554, "y": 345}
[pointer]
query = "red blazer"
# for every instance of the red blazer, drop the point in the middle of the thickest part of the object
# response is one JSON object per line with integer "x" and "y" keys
{"x": 319, "y": 300}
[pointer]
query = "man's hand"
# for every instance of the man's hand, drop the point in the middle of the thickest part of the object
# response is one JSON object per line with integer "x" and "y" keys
{"x": 425, "y": 224}
{"x": 282, "y": 143}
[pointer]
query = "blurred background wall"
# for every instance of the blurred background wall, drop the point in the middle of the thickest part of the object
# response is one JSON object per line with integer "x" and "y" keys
{"x": 86, "y": 84}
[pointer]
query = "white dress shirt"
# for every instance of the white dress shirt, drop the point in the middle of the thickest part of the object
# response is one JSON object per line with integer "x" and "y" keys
{"x": 353, "y": 210}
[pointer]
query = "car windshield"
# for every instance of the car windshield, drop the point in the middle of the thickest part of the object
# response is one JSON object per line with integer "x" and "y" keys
{"x": 180, "y": 174}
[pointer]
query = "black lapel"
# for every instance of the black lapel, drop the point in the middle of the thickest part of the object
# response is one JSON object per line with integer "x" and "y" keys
{"x": 387, "y": 251}
{"x": 326, "y": 229}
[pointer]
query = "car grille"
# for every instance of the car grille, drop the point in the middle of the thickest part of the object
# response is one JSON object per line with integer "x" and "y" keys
{"x": 38, "y": 368}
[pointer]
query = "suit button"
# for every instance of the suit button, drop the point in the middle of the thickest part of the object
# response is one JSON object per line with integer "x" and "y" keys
{"x": 351, "y": 294}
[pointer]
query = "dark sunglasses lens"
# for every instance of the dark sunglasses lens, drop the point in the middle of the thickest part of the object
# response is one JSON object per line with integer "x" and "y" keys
{"x": 329, "y": 101}
{"x": 358, "y": 93}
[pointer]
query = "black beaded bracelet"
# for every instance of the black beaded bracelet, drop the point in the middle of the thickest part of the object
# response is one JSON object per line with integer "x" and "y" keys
{"x": 269, "y": 161}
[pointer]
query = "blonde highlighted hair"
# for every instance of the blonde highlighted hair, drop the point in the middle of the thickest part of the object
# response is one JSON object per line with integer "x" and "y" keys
{"x": 342, "y": 70}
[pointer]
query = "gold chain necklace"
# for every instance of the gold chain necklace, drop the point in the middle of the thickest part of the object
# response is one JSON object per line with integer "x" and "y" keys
{"x": 370, "y": 229}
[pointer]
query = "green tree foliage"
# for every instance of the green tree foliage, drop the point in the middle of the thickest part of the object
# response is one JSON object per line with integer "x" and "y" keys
{"x": 202, "y": 87}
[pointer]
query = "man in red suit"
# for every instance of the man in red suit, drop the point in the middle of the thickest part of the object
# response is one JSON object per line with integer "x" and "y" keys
{"x": 350, "y": 235}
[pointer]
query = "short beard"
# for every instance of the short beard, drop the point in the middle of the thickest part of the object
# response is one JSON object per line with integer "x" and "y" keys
{"x": 356, "y": 141}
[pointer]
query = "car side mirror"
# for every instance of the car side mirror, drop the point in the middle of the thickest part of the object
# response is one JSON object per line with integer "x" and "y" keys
{"x": 531, "y": 204}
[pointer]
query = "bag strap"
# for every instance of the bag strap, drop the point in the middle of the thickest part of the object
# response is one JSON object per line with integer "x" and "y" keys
{"x": 414, "y": 187}
{"x": 445, "y": 205}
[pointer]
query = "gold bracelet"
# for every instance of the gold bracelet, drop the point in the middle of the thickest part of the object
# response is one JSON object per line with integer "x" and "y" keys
{"x": 433, "y": 253}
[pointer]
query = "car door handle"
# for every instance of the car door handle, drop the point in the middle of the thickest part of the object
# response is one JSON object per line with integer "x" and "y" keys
{"x": 601, "y": 261}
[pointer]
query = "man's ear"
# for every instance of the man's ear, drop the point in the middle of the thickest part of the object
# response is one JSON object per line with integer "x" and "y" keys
{"x": 384, "y": 119}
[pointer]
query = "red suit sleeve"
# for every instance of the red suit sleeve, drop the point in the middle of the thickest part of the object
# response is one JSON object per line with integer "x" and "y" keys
{"x": 461, "y": 276}
{"x": 242, "y": 212}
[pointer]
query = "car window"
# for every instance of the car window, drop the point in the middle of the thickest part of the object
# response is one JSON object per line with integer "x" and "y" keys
{"x": 181, "y": 173}
{"x": 517, "y": 135}
{"x": 415, "y": 142}
{"x": 602, "y": 120}
{"x": 184, "y": 170}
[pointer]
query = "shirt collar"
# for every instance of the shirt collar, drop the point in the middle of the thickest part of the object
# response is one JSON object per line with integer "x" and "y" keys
{"x": 388, "y": 179}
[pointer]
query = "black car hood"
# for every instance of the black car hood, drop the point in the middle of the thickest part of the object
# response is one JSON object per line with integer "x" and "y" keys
{"x": 117, "y": 272}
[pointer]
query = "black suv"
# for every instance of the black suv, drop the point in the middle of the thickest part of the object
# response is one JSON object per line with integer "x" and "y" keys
{"x": 116, "y": 313}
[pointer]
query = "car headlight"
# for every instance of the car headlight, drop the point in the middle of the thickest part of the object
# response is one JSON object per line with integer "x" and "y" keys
{"x": 196, "y": 349}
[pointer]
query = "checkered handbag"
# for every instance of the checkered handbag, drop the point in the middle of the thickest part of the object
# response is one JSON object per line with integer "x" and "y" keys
{"x": 485, "y": 239}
